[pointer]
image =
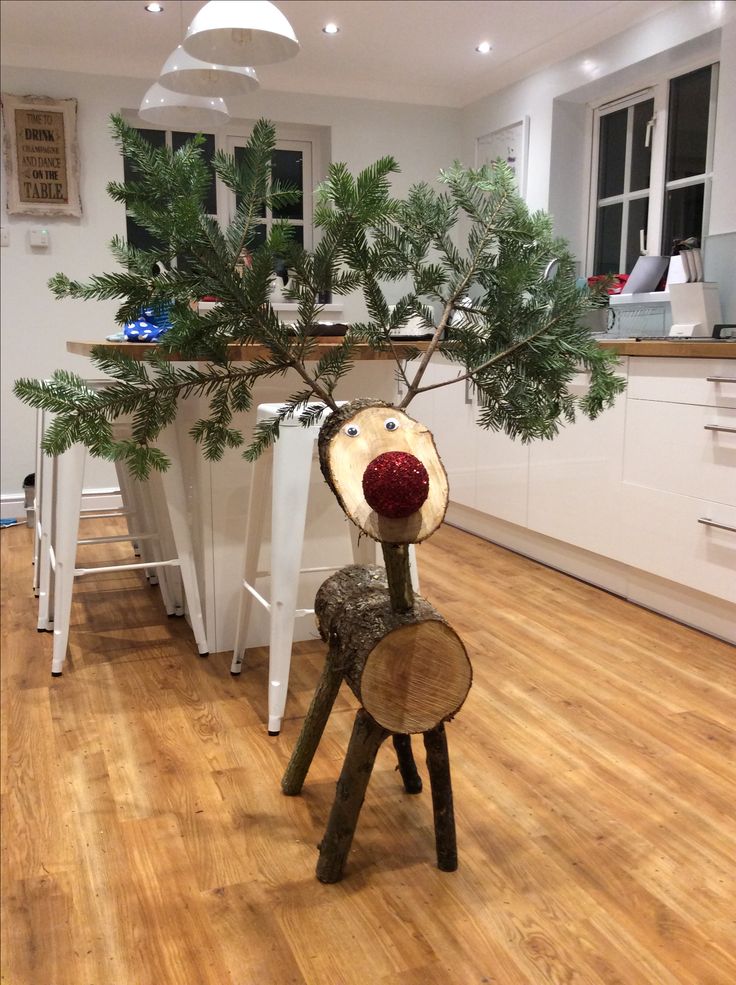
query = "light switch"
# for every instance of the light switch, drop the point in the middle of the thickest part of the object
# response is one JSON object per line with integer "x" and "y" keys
{"x": 38, "y": 236}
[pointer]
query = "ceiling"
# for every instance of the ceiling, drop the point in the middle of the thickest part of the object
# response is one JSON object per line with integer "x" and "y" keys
{"x": 417, "y": 51}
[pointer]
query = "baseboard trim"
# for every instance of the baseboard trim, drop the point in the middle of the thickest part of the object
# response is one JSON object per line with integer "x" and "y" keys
{"x": 706, "y": 613}
{"x": 12, "y": 505}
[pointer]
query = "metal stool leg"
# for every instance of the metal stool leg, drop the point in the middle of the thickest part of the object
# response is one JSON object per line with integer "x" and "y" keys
{"x": 70, "y": 479}
{"x": 173, "y": 483}
{"x": 257, "y": 502}
{"x": 46, "y": 522}
{"x": 291, "y": 473}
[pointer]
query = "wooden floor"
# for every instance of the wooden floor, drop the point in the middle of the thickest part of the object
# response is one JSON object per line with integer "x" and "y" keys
{"x": 146, "y": 841}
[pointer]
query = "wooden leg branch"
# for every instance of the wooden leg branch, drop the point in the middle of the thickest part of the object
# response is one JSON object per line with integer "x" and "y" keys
{"x": 438, "y": 766}
{"x": 351, "y": 787}
{"x": 313, "y": 726}
{"x": 407, "y": 766}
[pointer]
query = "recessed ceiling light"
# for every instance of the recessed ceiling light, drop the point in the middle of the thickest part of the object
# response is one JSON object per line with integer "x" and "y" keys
{"x": 154, "y": 8}
{"x": 330, "y": 29}
{"x": 484, "y": 47}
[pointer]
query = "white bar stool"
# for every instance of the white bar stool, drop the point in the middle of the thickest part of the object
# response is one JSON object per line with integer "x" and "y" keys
{"x": 291, "y": 467}
{"x": 148, "y": 530}
{"x": 61, "y": 533}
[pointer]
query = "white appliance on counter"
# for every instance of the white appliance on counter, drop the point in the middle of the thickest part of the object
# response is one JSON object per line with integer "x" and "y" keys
{"x": 696, "y": 308}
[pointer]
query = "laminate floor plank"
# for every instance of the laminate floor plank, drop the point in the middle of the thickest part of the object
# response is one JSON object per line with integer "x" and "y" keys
{"x": 146, "y": 840}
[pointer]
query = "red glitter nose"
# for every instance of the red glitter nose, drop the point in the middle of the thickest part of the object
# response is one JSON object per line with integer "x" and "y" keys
{"x": 395, "y": 484}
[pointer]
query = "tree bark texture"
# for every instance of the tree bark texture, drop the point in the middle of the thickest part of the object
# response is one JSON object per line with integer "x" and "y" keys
{"x": 408, "y": 669}
{"x": 407, "y": 767}
{"x": 438, "y": 766}
{"x": 313, "y": 726}
{"x": 350, "y": 793}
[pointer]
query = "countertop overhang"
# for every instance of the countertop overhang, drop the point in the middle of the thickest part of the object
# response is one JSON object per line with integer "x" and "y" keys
{"x": 685, "y": 348}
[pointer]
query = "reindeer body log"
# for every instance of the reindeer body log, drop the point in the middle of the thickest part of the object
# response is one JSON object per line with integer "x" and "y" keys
{"x": 409, "y": 670}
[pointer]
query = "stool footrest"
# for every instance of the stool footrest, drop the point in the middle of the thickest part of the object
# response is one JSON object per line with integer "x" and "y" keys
{"x": 80, "y": 572}
{"x": 117, "y": 538}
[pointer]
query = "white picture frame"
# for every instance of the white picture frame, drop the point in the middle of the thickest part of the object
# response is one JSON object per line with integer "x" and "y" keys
{"x": 41, "y": 155}
{"x": 511, "y": 144}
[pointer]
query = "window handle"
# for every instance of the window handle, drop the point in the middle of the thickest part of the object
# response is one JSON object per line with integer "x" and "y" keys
{"x": 642, "y": 242}
{"x": 648, "y": 133}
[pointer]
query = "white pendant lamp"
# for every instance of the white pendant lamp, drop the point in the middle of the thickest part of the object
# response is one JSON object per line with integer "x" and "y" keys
{"x": 240, "y": 32}
{"x": 177, "y": 111}
{"x": 182, "y": 73}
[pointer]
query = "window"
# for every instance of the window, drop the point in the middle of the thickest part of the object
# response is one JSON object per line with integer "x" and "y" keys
{"x": 136, "y": 235}
{"x": 689, "y": 155}
{"x": 624, "y": 170}
{"x": 652, "y": 188}
{"x": 291, "y": 164}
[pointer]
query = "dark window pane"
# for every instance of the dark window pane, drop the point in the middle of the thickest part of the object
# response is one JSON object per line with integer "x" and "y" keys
{"x": 208, "y": 152}
{"x": 298, "y": 236}
{"x": 136, "y": 235}
{"x": 683, "y": 215}
{"x": 156, "y": 138}
{"x": 687, "y": 132}
{"x": 259, "y": 236}
{"x": 287, "y": 168}
{"x": 641, "y": 155}
{"x": 638, "y": 215}
{"x": 612, "y": 154}
{"x": 240, "y": 156}
{"x": 608, "y": 240}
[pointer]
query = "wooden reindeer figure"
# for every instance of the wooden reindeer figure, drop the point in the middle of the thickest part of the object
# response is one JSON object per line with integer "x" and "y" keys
{"x": 402, "y": 660}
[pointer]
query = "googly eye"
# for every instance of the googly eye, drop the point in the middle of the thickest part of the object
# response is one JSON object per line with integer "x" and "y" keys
{"x": 391, "y": 424}
{"x": 352, "y": 430}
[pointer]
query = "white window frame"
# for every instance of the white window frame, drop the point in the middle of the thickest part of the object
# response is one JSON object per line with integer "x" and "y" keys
{"x": 658, "y": 186}
{"x": 306, "y": 222}
{"x": 642, "y": 96}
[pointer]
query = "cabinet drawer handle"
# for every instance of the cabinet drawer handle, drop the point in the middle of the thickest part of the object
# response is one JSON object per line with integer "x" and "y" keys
{"x": 718, "y": 427}
{"x": 712, "y": 523}
{"x": 721, "y": 379}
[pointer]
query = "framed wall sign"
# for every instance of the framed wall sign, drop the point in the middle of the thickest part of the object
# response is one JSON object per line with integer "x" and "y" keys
{"x": 41, "y": 155}
{"x": 511, "y": 144}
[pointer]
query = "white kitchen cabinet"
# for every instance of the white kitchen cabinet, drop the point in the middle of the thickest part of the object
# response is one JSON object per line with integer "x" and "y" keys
{"x": 575, "y": 480}
{"x": 452, "y": 422}
{"x": 502, "y": 476}
{"x": 641, "y": 500}
{"x": 673, "y": 447}
{"x": 665, "y": 536}
{"x": 708, "y": 382}
{"x": 487, "y": 471}
{"x": 680, "y": 470}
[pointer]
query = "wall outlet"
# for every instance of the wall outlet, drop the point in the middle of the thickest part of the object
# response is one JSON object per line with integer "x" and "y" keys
{"x": 4, "y": 236}
{"x": 38, "y": 236}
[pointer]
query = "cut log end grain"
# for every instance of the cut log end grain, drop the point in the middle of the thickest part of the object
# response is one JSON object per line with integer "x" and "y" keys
{"x": 417, "y": 676}
{"x": 352, "y": 440}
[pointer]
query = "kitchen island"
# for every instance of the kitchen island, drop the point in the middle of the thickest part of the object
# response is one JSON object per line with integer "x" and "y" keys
{"x": 641, "y": 501}
{"x": 218, "y": 492}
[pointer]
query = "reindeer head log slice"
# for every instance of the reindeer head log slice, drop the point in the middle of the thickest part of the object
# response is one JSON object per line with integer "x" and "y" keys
{"x": 385, "y": 471}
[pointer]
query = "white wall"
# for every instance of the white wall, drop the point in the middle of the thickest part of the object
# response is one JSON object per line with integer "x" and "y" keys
{"x": 35, "y": 326}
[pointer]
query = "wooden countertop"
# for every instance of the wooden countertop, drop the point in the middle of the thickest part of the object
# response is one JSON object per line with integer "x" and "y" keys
{"x": 243, "y": 353}
{"x": 687, "y": 348}
{"x": 690, "y": 349}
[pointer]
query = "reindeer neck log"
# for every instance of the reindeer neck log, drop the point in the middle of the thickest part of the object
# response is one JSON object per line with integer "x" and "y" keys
{"x": 409, "y": 670}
